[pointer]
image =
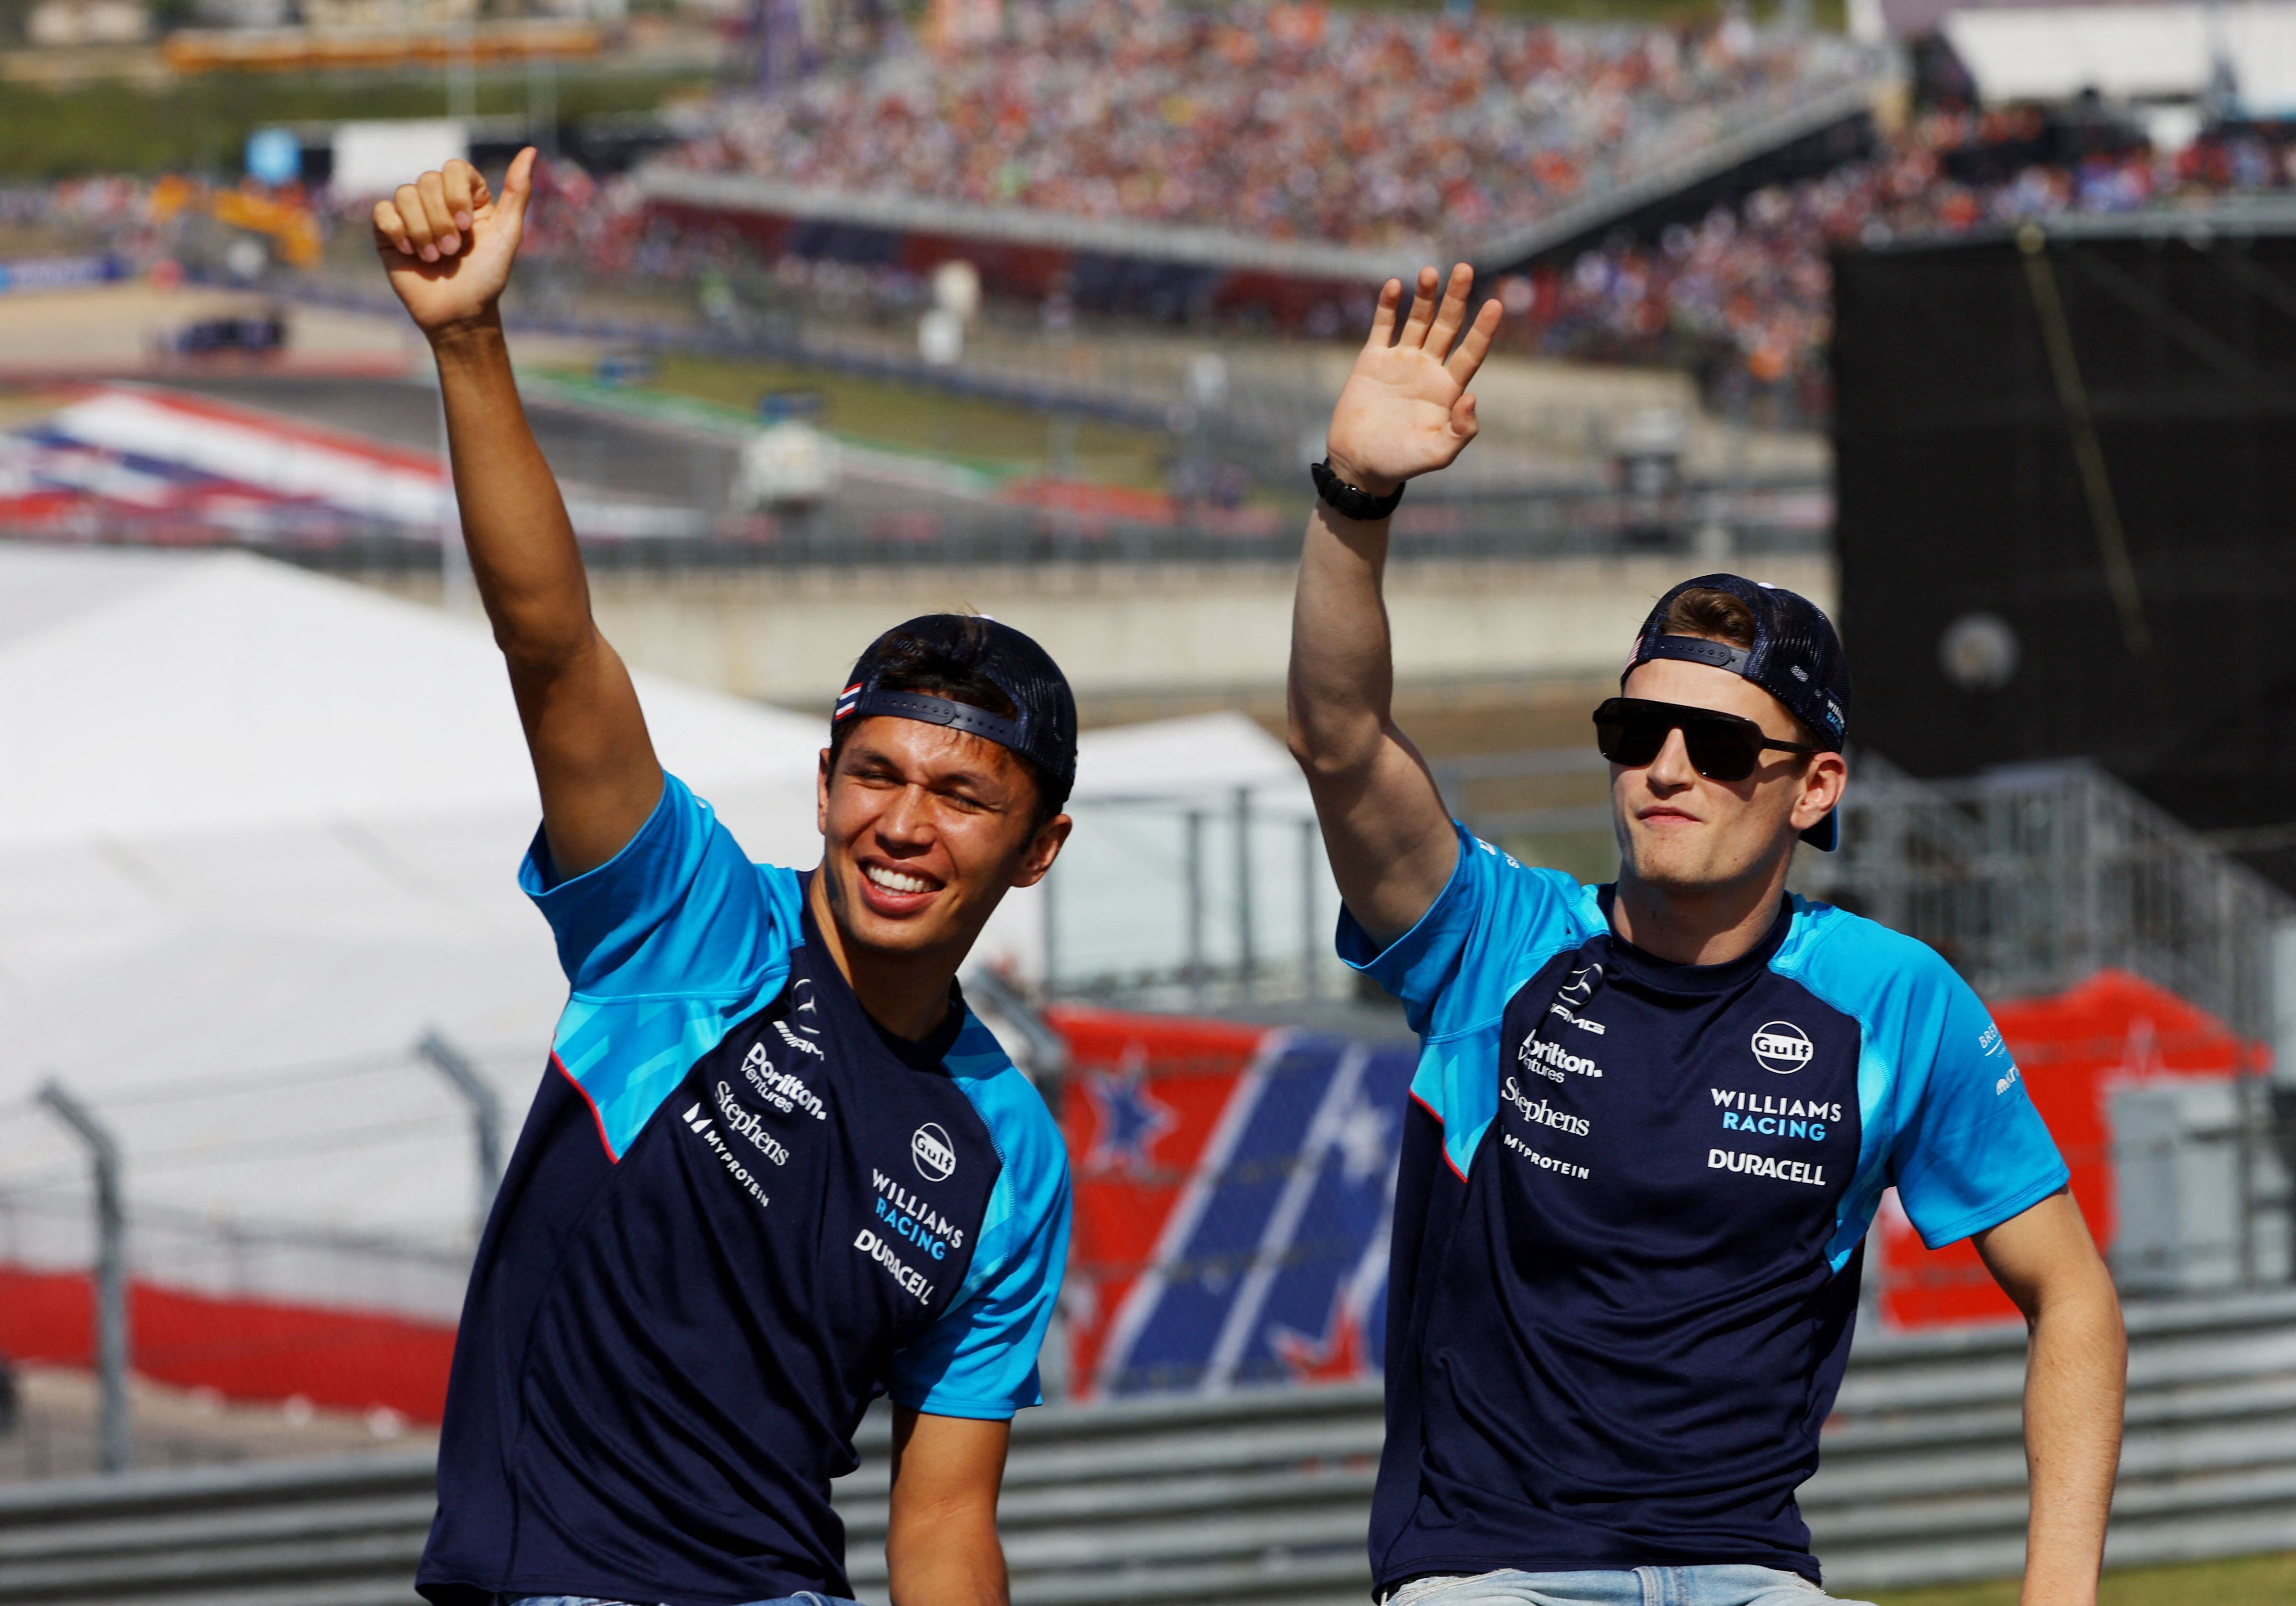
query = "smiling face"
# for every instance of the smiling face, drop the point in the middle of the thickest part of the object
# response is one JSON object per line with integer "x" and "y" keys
{"x": 925, "y": 830}
{"x": 1680, "y": 832}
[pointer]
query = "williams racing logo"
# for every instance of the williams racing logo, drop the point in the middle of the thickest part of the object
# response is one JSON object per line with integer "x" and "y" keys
{"x": 1782, "y": 1047}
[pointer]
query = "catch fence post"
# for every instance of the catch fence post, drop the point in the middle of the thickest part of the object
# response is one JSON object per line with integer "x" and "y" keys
{"x": 1246, "y": 962}
{"x": 116, "y": 1446}
{"x": 486, "y": 1120}
{"x": 1192, "y": 859}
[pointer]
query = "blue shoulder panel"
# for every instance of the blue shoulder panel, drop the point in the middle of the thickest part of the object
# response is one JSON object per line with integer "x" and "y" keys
{"x": 979, "y": 1359}
{"x": 1943, "y": 1114}
{"x": 668, "y": 945}
{"x": 1495, "y": 923}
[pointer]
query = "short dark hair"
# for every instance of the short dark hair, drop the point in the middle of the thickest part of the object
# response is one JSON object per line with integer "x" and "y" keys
{"x": 1715, "y": 615}
{"x": 1719, "y": 617}
{"x": 929, "y": 669}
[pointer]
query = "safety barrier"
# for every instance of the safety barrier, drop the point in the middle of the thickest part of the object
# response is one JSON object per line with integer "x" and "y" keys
{"x": 1258, "y": 1498}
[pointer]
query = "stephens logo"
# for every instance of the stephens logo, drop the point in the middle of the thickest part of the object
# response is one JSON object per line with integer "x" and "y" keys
{"x": 1540, "y": 1113}
{"x": 935, "y": 1155}
{"x": 1783, "y": 1047}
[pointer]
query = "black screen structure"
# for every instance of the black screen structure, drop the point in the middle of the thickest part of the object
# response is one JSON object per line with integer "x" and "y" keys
{"x": 2066, "y": 507}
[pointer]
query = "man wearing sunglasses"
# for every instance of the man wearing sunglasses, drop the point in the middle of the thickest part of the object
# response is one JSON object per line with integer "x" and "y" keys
{"x": 1653, "y": 1121}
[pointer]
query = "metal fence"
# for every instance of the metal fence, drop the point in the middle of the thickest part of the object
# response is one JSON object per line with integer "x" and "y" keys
{"x": 1231, "y": 901}
{"x": 2032, "y": 878}
{"x": 1258, "y": 1498}
{"x": 2028, "y": 878}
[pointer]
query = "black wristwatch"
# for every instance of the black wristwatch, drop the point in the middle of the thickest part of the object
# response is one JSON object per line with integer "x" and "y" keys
{"x": 1349, "y": 501}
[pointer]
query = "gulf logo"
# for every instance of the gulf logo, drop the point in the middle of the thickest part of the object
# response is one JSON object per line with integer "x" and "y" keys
{"x": 1783, "y": 1047}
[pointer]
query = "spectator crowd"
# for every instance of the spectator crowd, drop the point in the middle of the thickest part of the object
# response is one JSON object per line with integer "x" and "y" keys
{"x": 1746, "y": 294}
{"x": 1357, "y": 128}
{"x": 1289, "y": 121}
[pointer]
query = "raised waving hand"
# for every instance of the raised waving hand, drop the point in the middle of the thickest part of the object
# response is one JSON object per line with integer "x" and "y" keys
{"x": 447, "y": 241}
{"x": 1405, "y": 410}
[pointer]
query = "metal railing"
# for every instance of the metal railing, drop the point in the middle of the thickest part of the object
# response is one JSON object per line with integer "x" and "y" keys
{"x": 1258, "y": 1498}
{"x": 2028, "y": 878}
{"x": 1580, "y": 522}
{"x": 1231, "y": 900}
{"x": 2032, "y": 878}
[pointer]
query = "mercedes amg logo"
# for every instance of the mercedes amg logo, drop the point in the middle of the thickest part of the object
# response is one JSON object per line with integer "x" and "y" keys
{"x": 1582, "y": 984}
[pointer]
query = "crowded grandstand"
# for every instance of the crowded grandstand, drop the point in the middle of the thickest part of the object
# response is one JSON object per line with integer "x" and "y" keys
{"x": 1451, "y": 133}
{"x": 1292, "y": 120}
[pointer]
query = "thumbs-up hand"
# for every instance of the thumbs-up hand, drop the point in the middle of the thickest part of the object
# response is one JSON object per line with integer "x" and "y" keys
{"x": 447, "y": 241}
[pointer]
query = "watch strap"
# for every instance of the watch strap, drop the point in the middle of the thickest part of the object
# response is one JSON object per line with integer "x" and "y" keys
{"x": 1349, "y": 501}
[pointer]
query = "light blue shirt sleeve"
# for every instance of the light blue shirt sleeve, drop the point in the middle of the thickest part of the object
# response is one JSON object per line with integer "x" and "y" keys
{"x": 1971, "y": 1151}
{"x": 680, "y": 911}
{"x": 1496, "y": 922}
{"x": 1944, "y": 1115}
{"x": 979, "y": 1359}
{"x": 1466, "y": 958}
{"x": 668, "y": 945}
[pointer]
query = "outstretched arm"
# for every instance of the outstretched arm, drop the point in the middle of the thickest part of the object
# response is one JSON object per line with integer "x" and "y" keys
{"x": 2076, "y": 1377}
{"x": 1405, "y": 411}
{"x": 447, "y": 243}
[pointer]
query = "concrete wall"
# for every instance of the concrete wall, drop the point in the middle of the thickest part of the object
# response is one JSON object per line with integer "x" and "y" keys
{"x": 1124, "y": 633}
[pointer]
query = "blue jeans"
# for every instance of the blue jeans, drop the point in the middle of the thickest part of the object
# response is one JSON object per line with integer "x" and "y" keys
{"x": 808, "y": 1598}
{"x": 1728, "y": 1585}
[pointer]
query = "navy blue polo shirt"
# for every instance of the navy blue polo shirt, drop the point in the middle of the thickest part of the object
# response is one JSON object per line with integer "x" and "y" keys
{"x": 1630, "y": 1211}
{"x": 738, "y": 1211}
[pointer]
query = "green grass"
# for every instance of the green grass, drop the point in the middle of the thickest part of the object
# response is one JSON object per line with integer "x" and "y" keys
{"x": 1005, "y": 439}
{"x": 2246, "y": 1581}
{"x": 200, "y": 123}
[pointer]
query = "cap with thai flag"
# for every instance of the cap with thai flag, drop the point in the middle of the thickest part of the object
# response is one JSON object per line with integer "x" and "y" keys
{"x": 1042, "y": 726}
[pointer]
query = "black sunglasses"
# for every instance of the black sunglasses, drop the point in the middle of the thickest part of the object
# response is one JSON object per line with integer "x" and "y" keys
{"x": 1723, "y": 747}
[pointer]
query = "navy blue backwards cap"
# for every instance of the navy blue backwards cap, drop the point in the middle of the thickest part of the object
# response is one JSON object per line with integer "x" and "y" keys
{"x": 1796, "y": 658}
{"x": 1043, "y": 727}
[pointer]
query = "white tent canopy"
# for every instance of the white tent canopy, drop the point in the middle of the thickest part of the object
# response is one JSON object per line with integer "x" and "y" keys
{"x": 2129, "y": 52}
{"x": 258, "y": 835}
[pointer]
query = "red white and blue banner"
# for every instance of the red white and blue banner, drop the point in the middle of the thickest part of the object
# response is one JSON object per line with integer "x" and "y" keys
{"x": 1234, "y": 1190}
{"x": 153, "y": 465}
{"x": 160, "y": 464}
